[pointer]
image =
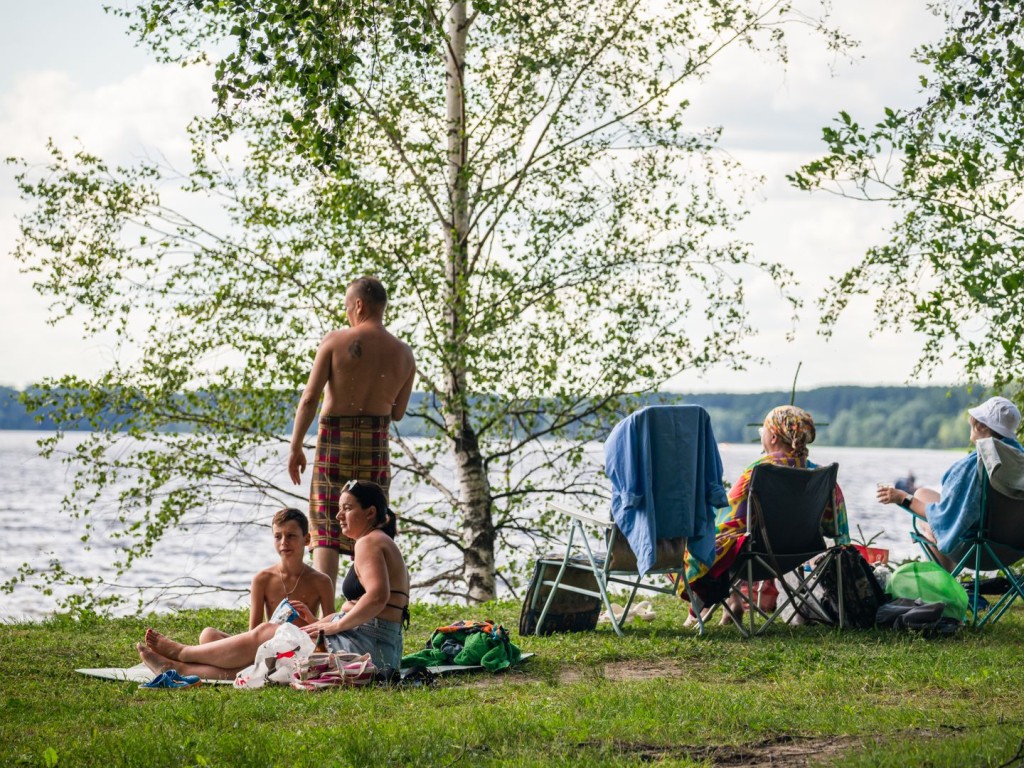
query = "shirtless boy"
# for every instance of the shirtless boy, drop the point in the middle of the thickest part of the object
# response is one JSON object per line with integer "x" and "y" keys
{"x": 309, "y": 591}
{"x": 366, "y": 377}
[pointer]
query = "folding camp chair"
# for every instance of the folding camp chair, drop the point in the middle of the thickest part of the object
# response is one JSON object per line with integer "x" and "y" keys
{"x": 784, "y": 513}
{"x": 612, "y": 563}
{"x": 665, "y": 471}
{"x": 998, "y": 543}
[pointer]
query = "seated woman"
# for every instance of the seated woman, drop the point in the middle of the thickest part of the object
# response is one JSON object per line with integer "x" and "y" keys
{"x": 952, "y": 513}
{"x": 376, "y": 589}
{"x": 785, "y": 435}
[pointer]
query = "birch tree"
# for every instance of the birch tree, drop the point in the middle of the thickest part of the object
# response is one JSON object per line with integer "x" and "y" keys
{"x": 556, "y": 238}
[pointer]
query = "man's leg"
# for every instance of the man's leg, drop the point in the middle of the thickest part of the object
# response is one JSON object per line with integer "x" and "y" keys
{"x": 325, "y": 560}
{"x": 330, "y": 473}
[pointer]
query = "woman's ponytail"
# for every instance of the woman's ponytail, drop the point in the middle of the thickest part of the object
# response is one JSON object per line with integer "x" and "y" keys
{"x": 390, "y": 524}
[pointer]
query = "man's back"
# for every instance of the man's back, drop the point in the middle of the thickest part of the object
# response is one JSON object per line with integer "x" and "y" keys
{"x": 370, "y": 374}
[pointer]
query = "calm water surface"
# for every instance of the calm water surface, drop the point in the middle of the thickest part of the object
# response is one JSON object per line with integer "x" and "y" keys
{"x": 218, "y": 554}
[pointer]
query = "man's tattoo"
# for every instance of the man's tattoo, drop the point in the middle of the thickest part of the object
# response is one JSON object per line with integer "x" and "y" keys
{"x": 355, "y": 349}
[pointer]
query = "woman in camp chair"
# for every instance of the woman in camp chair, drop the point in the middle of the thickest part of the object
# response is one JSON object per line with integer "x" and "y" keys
{"x": 785, "y": 435}
{"x": 953, "y": 512}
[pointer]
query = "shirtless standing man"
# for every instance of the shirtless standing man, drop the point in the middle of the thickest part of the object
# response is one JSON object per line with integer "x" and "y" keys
{"x": 366, "y": 376}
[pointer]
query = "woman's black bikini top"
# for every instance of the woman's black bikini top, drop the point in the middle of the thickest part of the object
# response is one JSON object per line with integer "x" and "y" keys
{"x": 352, "y": 588}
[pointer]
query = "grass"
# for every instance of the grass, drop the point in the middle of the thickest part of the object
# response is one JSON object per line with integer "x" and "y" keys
{"x": 797, "y": 696}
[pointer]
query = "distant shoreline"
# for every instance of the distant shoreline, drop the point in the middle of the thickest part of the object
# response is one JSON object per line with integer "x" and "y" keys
{"x": 851, "y": 416}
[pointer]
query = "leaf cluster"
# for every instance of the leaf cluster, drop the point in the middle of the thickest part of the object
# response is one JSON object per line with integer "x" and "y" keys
{"x": 951, "y": 169}
{"x": 307, "y": 49}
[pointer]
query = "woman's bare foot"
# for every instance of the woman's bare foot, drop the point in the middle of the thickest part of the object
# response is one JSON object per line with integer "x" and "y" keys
{"x": 164, "y": 646}
{"x": 152, "y": 659}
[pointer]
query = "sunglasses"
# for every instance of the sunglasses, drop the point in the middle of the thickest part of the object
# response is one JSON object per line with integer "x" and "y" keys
{"x": 349, "y": 486}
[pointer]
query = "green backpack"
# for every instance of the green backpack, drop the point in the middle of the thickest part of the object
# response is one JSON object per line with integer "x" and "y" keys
{"x": 930, "y": 583}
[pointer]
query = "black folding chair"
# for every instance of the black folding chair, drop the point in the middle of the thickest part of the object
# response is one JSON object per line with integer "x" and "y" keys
{"x": 784, "y": 512}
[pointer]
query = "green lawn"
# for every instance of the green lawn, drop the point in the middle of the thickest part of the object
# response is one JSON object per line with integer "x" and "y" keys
{"x": 800, "y": 696}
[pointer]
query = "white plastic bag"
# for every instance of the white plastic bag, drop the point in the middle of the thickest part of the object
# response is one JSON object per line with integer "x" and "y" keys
{"x": 278, "y": 659}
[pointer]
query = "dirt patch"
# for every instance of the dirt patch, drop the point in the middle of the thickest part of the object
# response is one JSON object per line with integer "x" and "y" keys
{"x": 616, "y": 671}
{"x": 643, "y": 670}
{"x": 785, "y": 751}
{"x": 620, "y": 671}
{"x": 778, "y": 752}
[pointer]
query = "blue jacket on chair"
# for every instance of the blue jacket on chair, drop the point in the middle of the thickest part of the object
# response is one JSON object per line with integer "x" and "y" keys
{"x": 666, "y": 477}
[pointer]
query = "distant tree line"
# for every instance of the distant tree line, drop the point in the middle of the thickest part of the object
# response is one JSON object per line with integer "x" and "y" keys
{"x": 870, "y": 417}
{"x": 893, "y": 417}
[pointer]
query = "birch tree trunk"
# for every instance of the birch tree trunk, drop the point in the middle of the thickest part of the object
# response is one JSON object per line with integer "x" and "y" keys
{"x": 478, "y": 537}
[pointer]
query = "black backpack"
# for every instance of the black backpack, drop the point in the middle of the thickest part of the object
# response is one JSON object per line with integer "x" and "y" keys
{"x": 862, "y": 594}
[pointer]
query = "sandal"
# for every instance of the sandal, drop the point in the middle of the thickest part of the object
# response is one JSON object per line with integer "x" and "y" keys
{"x": 171, "y": 679}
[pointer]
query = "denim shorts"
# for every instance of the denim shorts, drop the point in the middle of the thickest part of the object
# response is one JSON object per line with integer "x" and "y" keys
{"x": 377, "y": 637}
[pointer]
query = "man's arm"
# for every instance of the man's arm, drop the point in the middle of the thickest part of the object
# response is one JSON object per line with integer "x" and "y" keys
{"x": 402, "y": 399}
{"x": 307, "y": 409}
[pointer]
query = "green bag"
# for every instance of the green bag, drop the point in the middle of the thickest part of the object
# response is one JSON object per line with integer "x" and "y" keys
{"x": 930, "y": 583}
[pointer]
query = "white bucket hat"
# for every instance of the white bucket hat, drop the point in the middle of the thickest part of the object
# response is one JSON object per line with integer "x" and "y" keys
{"x": 998, "y": 414}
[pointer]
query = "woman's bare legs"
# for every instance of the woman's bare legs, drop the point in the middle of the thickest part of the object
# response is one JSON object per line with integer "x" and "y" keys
{"x": 158, "y": 664}
{"x": 735, "y": 603}
{"x": 233, "y": 652}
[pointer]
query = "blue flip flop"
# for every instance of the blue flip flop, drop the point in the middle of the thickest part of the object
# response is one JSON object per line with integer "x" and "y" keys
{"x": 156, "y": 682}
{"x": 182, "y": 681}
{"x": 171, "y": 679}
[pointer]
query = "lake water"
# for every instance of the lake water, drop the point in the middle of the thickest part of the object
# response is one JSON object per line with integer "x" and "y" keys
{"x": 197, "y": 569}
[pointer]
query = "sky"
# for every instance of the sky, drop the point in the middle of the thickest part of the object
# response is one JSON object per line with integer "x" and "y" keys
{"x": 69, "y": 71}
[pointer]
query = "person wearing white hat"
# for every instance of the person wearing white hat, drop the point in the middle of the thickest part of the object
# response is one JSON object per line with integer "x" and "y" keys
{"x": 953, "y": 512}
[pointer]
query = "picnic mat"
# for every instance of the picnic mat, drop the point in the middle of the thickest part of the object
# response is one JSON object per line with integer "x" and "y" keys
{"x": 142, "y": 674}
{"x": 137, "y": 674}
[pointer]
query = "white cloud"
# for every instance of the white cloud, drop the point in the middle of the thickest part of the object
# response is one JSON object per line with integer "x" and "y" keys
{"x": 141, "y": 113}
{"x": 145, "y": 112}
{"x": 763, "y": 105}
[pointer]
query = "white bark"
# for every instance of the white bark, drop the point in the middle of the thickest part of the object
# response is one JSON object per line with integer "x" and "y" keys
{"x": 474, "y": 489}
